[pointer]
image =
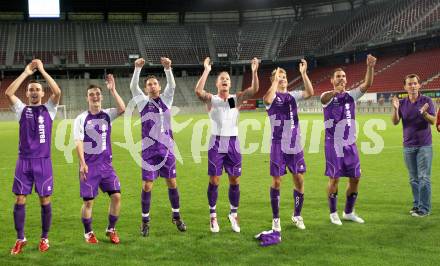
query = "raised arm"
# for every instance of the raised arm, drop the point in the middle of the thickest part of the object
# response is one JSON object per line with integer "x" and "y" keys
{"x": 13, "y": 87}
{"x": 111, "y": 86}
{"x": 368, "y": 81}
{"x": 168, "y": 93}
{"x": 270, "y": 93}
{"x": 308, "y": 88}
{"x": 166, "y": 63}
{"x": 56, "y": 91}
{"x": 200, "y": 87}
{"x": 395, "y": 117}
{"x": 134, "y": 84}
{"x": 255, "y": 85}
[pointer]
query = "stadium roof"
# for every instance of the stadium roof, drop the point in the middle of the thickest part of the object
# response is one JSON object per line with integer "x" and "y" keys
{"x": 162, "y": 5}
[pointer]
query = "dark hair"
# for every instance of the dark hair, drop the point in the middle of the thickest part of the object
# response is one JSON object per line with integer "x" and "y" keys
{"x": 93, "y": 86}
{"x": 35, "y": 81}
{"x": 411, "y": 76}
{"x": 336, "y": 70}
{"x": 150, "y": 77}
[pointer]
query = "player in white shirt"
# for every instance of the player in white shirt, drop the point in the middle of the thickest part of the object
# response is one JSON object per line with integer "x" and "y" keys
{"x": 224, "y": 148}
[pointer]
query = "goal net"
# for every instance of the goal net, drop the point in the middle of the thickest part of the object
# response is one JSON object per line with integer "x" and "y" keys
{"x": 61, "y": 112}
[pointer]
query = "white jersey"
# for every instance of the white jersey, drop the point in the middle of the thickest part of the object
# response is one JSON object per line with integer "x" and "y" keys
{"x": 224, "y": 118}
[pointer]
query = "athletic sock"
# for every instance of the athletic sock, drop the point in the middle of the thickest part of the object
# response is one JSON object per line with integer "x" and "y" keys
{"x": 275, "y": 202}
{"x": 145, "y": 203}
{"x": 298, "y": 198}
{"x": 46, "y": 219}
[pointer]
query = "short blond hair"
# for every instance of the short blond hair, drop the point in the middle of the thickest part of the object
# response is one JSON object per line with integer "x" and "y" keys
{"x": 222, "y": 72}
{"x": 272, "y": 76}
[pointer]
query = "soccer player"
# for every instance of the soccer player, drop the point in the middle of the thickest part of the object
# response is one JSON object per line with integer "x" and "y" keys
{"x": 157, "y": 140}
{"x": 417, "y": 113}
{"x": 34, "y": 165}
{"x": 92, "y": 134}
{"x": 286, "y": 150}
{"x": 341, "y": 154}
{"x": 224, "y": 148}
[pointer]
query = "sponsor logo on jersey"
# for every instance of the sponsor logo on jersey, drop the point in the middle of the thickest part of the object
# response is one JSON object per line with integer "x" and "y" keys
{"x": 29, "y": 114}
{"x": 41, "y": 129}
{"x": 348, "y": 114}
{"x": 104, "y": 137}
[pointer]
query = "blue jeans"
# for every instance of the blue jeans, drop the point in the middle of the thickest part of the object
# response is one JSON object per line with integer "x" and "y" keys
{"x": 418, "y": 161}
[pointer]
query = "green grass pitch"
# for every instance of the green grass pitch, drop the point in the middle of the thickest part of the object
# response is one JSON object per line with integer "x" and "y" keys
{"x": 389, "y": 236}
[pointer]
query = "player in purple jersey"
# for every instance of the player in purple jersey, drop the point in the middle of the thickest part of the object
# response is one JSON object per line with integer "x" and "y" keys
{"x": 34, "y": 165}
{"x": 92, "y": 133}
{"x": 157, "y": 140}
{"x": 224, "y": 148}
{"x": 418, "y": 114}
{"x": 286, "y": 150}
{"x": 341, "y": 154}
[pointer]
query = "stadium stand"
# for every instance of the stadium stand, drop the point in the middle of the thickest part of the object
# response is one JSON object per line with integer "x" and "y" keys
{"x": 252, "y": 40}
{"x": 356, "y": 24}
{"x": 225, "y": 39}
{"x": 429, "y": 19}
{"x": 391, "y": 78}
{"x": 432, "y": 83}
{"x": 370, "y": 22}
{"x": 46, "y": 41}
{"x": 183, "y": 44}
{"x": 381, "y": 22}
{"x": 3, "y": 43}
{"x": 108, "y": 43}
{"x": 306, "y": 36}
{"x": 408, "y": 13}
